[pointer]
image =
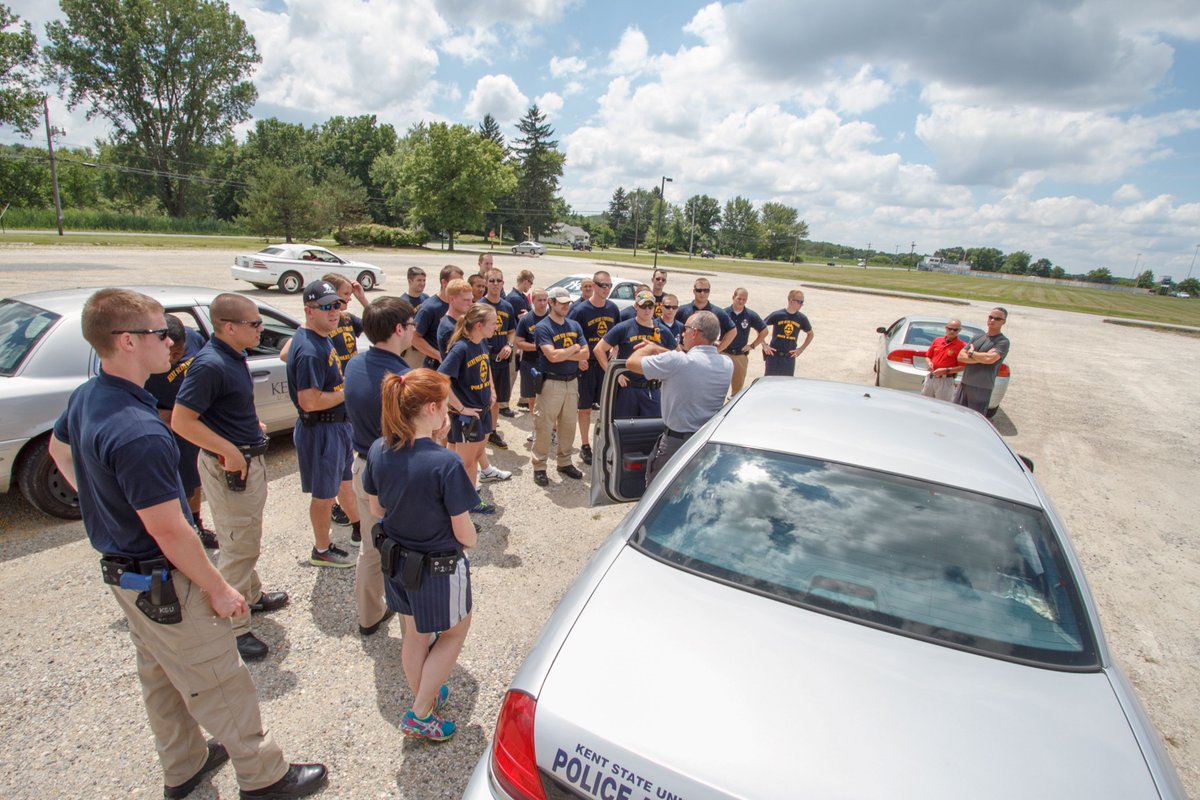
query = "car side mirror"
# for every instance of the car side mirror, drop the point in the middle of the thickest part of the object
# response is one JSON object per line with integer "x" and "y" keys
{"x": 881, "y": 329}
{"x": 1027, "y": 461}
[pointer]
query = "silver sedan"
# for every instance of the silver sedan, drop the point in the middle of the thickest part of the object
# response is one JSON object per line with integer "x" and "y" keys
{"x": 43, "y": 358}
{"x": 829, "y": 592}
{"x": 900, "y": 361}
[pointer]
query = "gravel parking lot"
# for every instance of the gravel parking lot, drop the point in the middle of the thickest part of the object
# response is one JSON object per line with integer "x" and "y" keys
{"x": 1108, "y": 414}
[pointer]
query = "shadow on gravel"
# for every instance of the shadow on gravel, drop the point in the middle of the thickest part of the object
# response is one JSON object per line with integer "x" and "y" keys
{"x": 441, "y": 770}
{"x": 1002, "y": 423}
{"x": 490, "y": 550}
{"x": 25, "y": 540}
{"x": 332, "y": 598}
{"x": 273, "y": 682}
{"x": 281, "y": 457}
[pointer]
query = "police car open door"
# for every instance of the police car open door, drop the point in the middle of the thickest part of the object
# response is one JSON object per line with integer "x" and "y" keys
{"x": 621, "y": 448}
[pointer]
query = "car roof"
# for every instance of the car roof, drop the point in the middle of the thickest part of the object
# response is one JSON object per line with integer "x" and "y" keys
{"x": 63, "y": 301}
{"x": 879, "y": 429}
{"x": 588, "y": 275}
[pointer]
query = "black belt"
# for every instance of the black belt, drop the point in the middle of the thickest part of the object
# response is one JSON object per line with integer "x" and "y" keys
{"x": 313, "y": 417}
{"x": 248, "y": 450}
{"x": 642, "y": 384}
{"x": 112, "y": 567}
{"x": 678, "y": 435}
{"x": 551, "y": 376}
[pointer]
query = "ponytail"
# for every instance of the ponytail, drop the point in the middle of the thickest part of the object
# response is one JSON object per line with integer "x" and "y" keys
{"x": 475, "y": 314}
{"x": 403, "y": 398}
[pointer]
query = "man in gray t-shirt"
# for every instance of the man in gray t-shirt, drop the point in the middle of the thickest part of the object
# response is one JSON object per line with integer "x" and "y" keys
{"x": 982, "y": 357}
{"x": 693, "y": 383}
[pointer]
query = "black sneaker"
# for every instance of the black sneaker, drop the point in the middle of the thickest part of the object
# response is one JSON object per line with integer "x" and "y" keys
{"x": 207, "y": 538}
{"x": 497, "y": 441}
{"x": 585, "y": 453}
{"x": 571, "y": 471}
{"x": 541, "y": 478}
{"x": 333, "y": 557}
{"x": 505, "y": 411}
{"x": 356, "y": 536}
{"x": 339, "y": 516}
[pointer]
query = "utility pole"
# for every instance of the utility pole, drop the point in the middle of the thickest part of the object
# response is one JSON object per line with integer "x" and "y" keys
{"x": 795, "y": 247}
{"x": 637, "y": 204}
{"x": 50, "y": 132}
{"x": 912, "y": 255}
{"x": 1193, "y": 262}
{"x": 692, "y": 232}
{"x": 662, "y": 201}
{"x": 1135, "y": 265}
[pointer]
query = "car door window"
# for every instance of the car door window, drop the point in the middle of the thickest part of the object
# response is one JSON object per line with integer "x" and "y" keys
{"x": 623, "y": 291}
{"x": 276, "y": 331}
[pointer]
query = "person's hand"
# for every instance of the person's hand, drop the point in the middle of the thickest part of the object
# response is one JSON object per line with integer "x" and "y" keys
{"x": 768, "y": 350}
{"x": 232, "y": 460}
{"x": 228, "y": 602}
{"x": 469, "y": 412}
{"x": 649, "y": 348}
{"x": 583, "y": 365}
{"x": 505, "y": 352}
{"x": 794, "y": 353}
{"x": 622, "y": 381}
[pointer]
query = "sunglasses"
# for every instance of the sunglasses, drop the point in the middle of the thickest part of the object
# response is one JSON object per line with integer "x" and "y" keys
{"x": 336, "y": 305}
{"x": 701, "y": 291}
{"x": 996, "y": 319}
{"x": 161, "y": 333}
{"x": 953, "y": 330}
{"x": 253, "y": 323}
{"x": 602, "y": 285}
{"x": 669, "y": 308}
{"x": 495, "y": 280}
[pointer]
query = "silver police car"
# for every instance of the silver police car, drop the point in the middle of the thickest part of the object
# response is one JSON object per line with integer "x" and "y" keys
{"x": 832, "y": 591}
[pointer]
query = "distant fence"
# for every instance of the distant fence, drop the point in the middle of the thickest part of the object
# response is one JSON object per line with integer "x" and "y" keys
{"x": 1003, "y": 276}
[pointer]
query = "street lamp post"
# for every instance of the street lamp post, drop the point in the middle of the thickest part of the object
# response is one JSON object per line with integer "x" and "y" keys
{"x": 662, "y": 199}
{"x": 1193, "y": 262}
{"x": 1135, "y": 265}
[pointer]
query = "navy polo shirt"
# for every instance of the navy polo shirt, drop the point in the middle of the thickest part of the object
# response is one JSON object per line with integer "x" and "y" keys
{"x": 687, "y": 310}
{"x": 676, "y": 328}
{"x": 313, "y": 364}
{"x": 468, "y": 366}
{"x": 629, "y": 333}
{"x": 506, "y": 321}
{"x": 165, "y": 385}
{"x": 629, "y": 312}
{"x": 743, "y": 323}
{"x": 125, "y": 461}
{"x": 428, "y": 316}
{"x": 364, "y": 402}
{"x": 421, "y": 486}
{"x": 415, "y": 302}
{"x": 786, "y": 334}
{"x": 525, "y": 333}
{"x": 445, "y": 330}
{"x": 594, "y": 320}
{"x": 218, "y": 387}
{"x": 519, "y": 302}
{"x": 560, "y": 337}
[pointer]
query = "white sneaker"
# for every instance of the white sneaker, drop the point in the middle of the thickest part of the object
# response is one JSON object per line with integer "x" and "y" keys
{"x": 493, "y": 475}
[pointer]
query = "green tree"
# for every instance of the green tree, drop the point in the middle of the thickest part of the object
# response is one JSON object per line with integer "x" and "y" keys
{"x": 740, "y": 229}
{"x": 1145, "y": 280}
{"x": 782, "y": 228}
{"x": 19, "y": 93}
{"x": 351, "y": 144}
{"x": 168, "y": 75}
{"x": 704, "y": 214}
{"x": 619, "y": 210}
{"x": 1101, "y": 275}
{"x": 283, "y": 201}
{"x": 270, "y": 141}
{"x": 1058, "y": 272}
{"x": 1041, "y": 268}
{"x": 1016, "y": 263}
{"x": 490, "y": 129}
{"x": 344, "y": 198}
{"x": 985, "y": 259}
{"x": 452, "y": 177}
{"x": 540, "y": 165}
{"x": 1191, "y": 286}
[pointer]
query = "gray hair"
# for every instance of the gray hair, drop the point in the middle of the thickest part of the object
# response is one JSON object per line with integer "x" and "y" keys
{"x": 706, "y": 324}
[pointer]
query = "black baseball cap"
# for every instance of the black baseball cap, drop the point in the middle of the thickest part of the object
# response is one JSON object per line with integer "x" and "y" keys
{"x": 320, "y": 292}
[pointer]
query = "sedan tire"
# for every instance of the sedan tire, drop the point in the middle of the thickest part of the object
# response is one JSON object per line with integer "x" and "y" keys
{"x": 291, "y": 282}
{"x": 43, "y": 485}
{"x": 366, "y": 280}
{"x": 263, "y": 286}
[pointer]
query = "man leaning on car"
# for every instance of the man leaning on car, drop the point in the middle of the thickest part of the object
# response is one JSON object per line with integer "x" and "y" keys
{"x": 943, "y": 363}
{"x": 982, "y": 357}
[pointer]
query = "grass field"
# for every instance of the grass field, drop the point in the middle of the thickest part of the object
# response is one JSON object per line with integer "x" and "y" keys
{"x": 1152, "y": 308}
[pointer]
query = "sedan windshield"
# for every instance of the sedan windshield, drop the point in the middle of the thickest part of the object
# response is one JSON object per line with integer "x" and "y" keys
{"x": 923, "y": 333}
{"x": 21, "y": 327}
{"x": 914, "y": 558}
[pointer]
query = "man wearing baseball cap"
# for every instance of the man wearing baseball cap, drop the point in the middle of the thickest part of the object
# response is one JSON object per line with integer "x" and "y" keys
{"x": 562, "y": 348}
{"x": 323, "y": 437}
{"x": 636, "y": 395}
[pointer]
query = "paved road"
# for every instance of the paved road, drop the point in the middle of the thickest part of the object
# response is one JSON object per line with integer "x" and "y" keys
{"x": 1108, "y": 414}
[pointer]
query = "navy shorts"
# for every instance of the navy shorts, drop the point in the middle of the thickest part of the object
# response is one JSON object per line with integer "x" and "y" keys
{"x": 502, "y": 381}
{"x": 189, "y": 472}
{"x": 633, "y": 402}
{"x": 779, "y": 365}
{"x": 591, "y": 382}
{"x": 325, "y": 454}
{"x": 457, "y": 435}
{"x": 442, "y": 602}
{"x": 527, "y": 368}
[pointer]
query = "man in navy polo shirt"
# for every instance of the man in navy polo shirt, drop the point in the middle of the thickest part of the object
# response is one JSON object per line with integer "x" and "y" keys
{"x": 112, "y": 446}
{"x": 636, "y": 396}
{"x": 744, "y": 320}
{"x": 529, "y": 353}
{"x": 324, "y": 448}
{"x": 501, "y": 347}
{"x": 389, "y": 326}
{"x": 595, "y": 315}
{"x": 562, "y": 348}
{"x": 215, "y": 411}
{"x": 780, "y": 354}
{"x": 416, "y": 288}
{"x": 519, "y": 298}
{"x": 430, "y": 314}
{"x": 701, "y": 291}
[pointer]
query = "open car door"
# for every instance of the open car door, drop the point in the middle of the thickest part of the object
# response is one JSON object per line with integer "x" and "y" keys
{"x": 621, "y": 448}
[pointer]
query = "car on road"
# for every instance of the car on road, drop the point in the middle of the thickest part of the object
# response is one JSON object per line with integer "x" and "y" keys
{"x": 581, "y": 244}
{"x": 900, "y": 363}
{"x": 706, "y": 253}
{"x": 291, "y": 266}
{"x": 830, "y": 591}
{"x": 622, "y": 292}
{"x": 44, "y": 358}
{"x": 531, "y": 247}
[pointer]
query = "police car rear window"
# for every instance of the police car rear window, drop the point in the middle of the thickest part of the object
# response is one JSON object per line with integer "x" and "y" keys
{"x": 22, "y": 326}
{"x": 914, "y": 558}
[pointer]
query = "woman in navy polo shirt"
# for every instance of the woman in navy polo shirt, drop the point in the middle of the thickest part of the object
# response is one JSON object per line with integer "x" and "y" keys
{"x": 467, "y": 364}
{"x": 423, "y": 499}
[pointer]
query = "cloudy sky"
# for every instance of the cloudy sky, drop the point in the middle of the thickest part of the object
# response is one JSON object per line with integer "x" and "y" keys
{"x": 1068, "y": 129}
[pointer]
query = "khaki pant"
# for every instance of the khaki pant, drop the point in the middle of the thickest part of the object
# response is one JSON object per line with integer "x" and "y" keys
{"x": 192, "y": 677}
{"x": 368, "y": 573}
{"x": 413, "y": 357}
{"x": 940, "y": 387}
{"x": 740, "y": 363}
{"x": 556, "y": 405}
{"x": 237, "y": 519}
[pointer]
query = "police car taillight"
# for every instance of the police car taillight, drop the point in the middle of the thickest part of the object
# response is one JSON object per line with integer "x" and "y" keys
{"x": 902, "y": 356}
{"x": 514, "y": 761}
{"x": 1004, "y": 371}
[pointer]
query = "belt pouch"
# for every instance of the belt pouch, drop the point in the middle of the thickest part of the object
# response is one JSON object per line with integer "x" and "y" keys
{"x": 160, "y": 604}
{"x": 412, "y": 571}
{"x": 389, "y": 556}
{"x": 443, "y": 564}
{"x": 113, "y": 567}
{"x": 235, "y": 481}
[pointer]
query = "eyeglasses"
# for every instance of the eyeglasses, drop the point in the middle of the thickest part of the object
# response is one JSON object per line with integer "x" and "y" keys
{"x": 996, "y": 319}
{"x": 253, "y": 323}
{"x": 336, "y": 305}
{"x": 952, "y": 330}
{"x": 669, "y": 308}
{"x": 161, "y": 333}
{"x": 410, "y": 324}
{"x": 660, "y": 279}
{"x": 701, "y": 291}
{"x": 495, "y": 280}
{"x": 599, "y": 285}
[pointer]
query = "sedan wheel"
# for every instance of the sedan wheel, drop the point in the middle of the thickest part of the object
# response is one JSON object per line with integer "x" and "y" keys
{"x": 43, "y": 485}
{"x": 366, "y": 280}
{"x": 291, "y": 282}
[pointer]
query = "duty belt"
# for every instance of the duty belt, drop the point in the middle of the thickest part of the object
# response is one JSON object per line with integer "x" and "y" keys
{"x": 678, "y": 435}
{"x": 151, "y": 579}
{"x": 642, "y": 384}
{"x": 248, "y": 450}
{"x": 551, "y": 376}
{"x": 313, "y": 417}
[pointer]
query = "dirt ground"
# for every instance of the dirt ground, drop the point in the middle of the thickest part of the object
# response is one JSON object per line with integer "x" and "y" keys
{"x": 1108, "y": 414}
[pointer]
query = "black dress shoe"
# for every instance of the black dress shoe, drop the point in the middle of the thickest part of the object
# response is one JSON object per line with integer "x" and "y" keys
{"x": 367, "y": 630}
{"x": 216, "y": 757}
{"x": 269, "y": 601}
{"x": 301, "y": 780}
{"x": 251, "y": 647}
{"x": 571, "y": 471}
{"x": 540, "y": 477}
{"x": 207, "y": 538}
{"x": 585, "y": 453}
{"x": 505, "y": 411}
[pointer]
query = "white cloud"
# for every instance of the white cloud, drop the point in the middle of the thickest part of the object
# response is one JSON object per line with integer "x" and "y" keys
{"x": 470, "y": 13}
{"x": 1127, "y": 193}
{"x": 549, "y": 104}
{"x": 571, "y": 65}
{"x": 631, "y": 55}
{"x": 572, "y": 88}
{"x": 499, "y": 96}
